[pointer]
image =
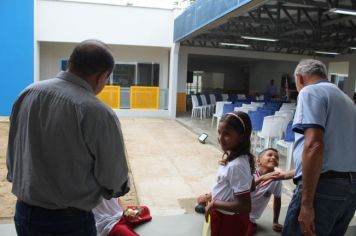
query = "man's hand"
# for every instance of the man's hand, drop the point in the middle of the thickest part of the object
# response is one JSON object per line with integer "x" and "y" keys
{"x": 277, "y": 227}
{"x": 306, "y": 220}
{"x": 269, "y": 177}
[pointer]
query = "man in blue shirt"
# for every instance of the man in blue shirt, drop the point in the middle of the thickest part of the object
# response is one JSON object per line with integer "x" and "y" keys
{"x": 324, "y": 200}
{"x": 271, "y": 90}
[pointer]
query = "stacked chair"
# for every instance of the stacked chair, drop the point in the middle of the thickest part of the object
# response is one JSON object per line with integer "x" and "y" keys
{"x": 285, "y": 146}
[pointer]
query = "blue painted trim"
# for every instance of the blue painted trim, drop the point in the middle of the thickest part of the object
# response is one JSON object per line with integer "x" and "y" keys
{"x": 201, "y": 13}
{"x": 17, "y": 51}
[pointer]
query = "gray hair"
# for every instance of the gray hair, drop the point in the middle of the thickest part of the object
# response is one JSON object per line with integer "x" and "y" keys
{"x": 311, "y": 67}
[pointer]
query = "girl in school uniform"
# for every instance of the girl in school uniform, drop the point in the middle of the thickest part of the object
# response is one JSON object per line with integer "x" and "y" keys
{"x": 230, "y": 203}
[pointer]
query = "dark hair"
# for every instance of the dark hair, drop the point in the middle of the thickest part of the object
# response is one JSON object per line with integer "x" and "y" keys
{"x": 91, "y": 57}
{"x": 241, "y": 123}
{"x": 265, "y": 150}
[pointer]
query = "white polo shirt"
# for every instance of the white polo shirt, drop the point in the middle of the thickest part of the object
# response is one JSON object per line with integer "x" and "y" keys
{"x": 233, "y": 178}
{"x": 261, "y": 196}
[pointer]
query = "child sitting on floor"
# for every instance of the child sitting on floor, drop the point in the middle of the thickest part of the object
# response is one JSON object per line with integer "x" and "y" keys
{"x": 112, "y": 219}
{"x": 267, "y": 161}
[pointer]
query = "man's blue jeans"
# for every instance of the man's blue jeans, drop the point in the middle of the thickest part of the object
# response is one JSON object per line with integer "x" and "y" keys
{"x": 334, "y": 204}
{"x": 35, "y": 221}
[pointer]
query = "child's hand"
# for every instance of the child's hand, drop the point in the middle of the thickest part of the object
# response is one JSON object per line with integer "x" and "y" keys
{"x": 277, "y": 227}
{"x": 208, "y": 209}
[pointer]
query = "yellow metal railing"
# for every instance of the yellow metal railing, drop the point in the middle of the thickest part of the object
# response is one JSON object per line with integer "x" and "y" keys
{"x": 111, "y": 96}
{"x": 144, "y": 98}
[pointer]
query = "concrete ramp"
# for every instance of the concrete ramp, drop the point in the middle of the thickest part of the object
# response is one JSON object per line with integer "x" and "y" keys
{"x": 178, "y": 225}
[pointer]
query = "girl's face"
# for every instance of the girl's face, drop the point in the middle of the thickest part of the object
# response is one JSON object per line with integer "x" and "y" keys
{"x": 269, "y": 160}
{"x": 228, "y": 137}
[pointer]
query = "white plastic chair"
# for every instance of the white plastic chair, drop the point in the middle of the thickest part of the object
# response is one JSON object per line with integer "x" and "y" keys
{"x": 206, "y": 106}
{"x": 271, "y": 130}
{"x": 219, "y": 108}
{"x": 285, "y": 146}
{"x": 212, "y": 102}
{"x": 243, "y": 109}
{"x": 288, "y": 146}
{"x": 196, "y": 109}
{"x": 257, "y": 104}
{"x": 249, "y": 107}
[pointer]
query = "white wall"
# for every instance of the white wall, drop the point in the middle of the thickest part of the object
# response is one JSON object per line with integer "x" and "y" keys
{"x": 262, "y": 72}
{"x": 52, "y": 53}
{"x": 338, "y": 68}
{"x": 63, "y": 21}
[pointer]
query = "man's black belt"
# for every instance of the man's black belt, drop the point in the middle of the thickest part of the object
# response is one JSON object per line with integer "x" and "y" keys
{"x": 69, "y": 211}
{"x": 331, "y": 175}
{"x": 337, "y": 175}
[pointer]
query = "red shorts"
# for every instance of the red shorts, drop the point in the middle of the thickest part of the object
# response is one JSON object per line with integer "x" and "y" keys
{"x": 228, "y": 225}
{"x": 124, "y": 226}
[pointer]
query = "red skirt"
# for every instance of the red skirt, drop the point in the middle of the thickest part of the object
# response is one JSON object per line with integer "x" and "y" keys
{"x": 228, "y": 225}
{"x": 125, "y": 225}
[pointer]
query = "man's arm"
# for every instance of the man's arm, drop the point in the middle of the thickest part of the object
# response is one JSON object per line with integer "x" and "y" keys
{"x": 311, "y": 168}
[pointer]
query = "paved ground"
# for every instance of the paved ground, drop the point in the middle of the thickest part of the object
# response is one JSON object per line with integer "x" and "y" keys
{"x": 170, "y": 168}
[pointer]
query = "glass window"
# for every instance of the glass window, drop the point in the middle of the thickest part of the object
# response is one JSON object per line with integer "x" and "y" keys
{"x": 64, "y": 64}
{"x": 124, "y": 75}
{"x": 148, "y": 74}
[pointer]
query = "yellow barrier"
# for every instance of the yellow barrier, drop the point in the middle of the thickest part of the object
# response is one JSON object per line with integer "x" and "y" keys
{"x": 181, "y": 102}
{"x": 144, "y": 98}
{"x": 111, "y": 96}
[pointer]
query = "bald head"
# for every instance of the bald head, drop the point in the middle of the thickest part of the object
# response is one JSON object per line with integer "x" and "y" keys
{"x": 90, "y": 57}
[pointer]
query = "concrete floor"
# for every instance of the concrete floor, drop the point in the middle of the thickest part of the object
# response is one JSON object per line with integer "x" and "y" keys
{"x": 171, "y": 168}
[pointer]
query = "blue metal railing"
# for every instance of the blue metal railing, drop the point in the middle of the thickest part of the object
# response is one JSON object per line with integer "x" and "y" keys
{"x": 201, "y": 13}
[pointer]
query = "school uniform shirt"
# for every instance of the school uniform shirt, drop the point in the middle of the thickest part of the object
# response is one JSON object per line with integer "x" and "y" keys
{"x": 261, "y": 196}
{"x": 233, "y": 178}
{"x": 107, "y": 214}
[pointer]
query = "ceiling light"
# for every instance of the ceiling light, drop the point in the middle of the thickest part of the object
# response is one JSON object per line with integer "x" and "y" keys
{"x": 328, "y": 53}
{"x": 343, "y": 11}
{"x": 235, "y": 45}
{"x": 353, "y": 48}
{"x": 258, "y": 38}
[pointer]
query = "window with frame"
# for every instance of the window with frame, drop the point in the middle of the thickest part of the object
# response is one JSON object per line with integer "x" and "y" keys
{"x": 140, "y": 74}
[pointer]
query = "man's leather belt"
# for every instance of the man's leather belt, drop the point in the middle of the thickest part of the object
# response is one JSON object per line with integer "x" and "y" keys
{"x": 337, "y": 175}
{"x": 69, "y": 211}
{"x": 331, "y": 175}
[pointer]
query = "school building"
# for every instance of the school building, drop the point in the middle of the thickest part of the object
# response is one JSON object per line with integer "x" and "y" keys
{"x": 164, "y": 54}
